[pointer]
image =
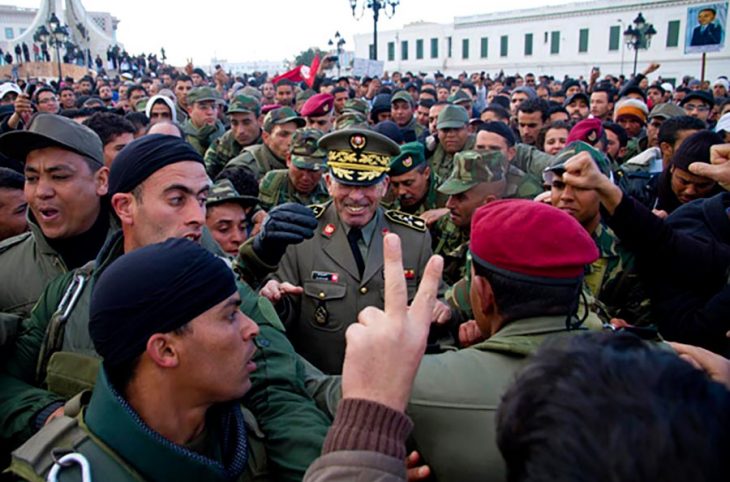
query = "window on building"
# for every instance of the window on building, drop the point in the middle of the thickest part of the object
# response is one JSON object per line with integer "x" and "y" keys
{"x": 614, "y": 36}
{"x": 434, "y": 48}
{"x": 448, "y": 46}
{"x": 391, "y": 51}
{"x": 673, "y": 33}
{"x": 528, "y": 44}
{"x": 419, "y": 48}
{"x": 485, "y": 47}
{"x": 555, "y": 42}
{"x": 9, "y": 33}
{"x": 404, "y": 50}
{"x": 465, "y": 48}
{"x": 503, "y": 45}
{"x": 583, "y": 40}
{"x": 22, "y": 30}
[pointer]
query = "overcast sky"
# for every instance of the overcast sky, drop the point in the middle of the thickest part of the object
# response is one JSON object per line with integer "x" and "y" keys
{"x": 263, "y": 30}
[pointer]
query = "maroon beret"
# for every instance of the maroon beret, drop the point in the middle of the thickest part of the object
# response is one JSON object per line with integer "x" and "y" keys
{"x": 318, "y": 105}
{"x": 265, "y": 109}
{"x": 530, "y": 238}
{"x": 587, "y": 130}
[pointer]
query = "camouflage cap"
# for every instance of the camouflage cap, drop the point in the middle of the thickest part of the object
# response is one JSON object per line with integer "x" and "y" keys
{"x": 356, "y": 105}
{"x": 351, "y": 119}
{"x": 252, "y": 92}
{"x": 305, "y": 152}
{"x": 244, "y": 104}
{"x": 358, "y": 157}
{"x": 402, "y": 95}
{"x": 200, "y": 94}
{"x": 282, "y": 115}
{"x": 412, "y": 155}
{"x": 222, "y": 191}
{"x": 305, "y": 95}
{"x": 459, "y": 97}
{"x": 557, "y": 167}
{"x": 472, "y": 168}
{"x": 452, "y": 117}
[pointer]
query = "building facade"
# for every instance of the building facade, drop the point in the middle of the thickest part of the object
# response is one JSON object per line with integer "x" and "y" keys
{"x": 559, "y": 40}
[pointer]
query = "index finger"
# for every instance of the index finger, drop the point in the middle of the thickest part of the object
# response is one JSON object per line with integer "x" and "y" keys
{"x": 423, "y": 303}
{"x": 719, "y": 153}
{"x": 396, "y": 292}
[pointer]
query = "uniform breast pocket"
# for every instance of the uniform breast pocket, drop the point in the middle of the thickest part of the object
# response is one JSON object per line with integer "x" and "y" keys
{"x": 325, "y": 306}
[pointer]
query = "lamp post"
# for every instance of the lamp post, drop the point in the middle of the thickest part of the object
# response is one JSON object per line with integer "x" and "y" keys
{"x": 338, "y": 43}
{"x": 56, "y": 34}
{"x": 375, "y": 6}
{"x": 639, "y": 36}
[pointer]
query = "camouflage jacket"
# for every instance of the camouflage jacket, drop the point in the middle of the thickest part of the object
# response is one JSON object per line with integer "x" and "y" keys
{"x": 202, "y": 138}
{"x": 531, "y": 160}
{"x": 453, "y": 244}
{"x": 522, "y": 185}
{"x": 432, "y": 200}
{"x": 259, "y": 159}
{"x": 221, "y": 151}
{"x": 442, "y": 163}
{"x": 275, "y": 188}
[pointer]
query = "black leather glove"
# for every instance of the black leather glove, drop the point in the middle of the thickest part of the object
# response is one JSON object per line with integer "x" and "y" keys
{"x": 288, "y": 223}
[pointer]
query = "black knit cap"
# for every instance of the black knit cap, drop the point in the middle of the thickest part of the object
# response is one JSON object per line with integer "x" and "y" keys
{"x": 154, "y": 289}
{"x": 695, "y": 148}
{"x": 144, "y": 156}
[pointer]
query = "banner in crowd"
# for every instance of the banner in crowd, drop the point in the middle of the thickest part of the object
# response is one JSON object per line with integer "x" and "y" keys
{"x": 706, "y": 27}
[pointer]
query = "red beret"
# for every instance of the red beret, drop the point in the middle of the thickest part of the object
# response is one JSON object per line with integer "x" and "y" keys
{"x": 530, "y": 238}
{"x": 318, "y": 105}
{"x": 265, "y": 109}
{"x": 587, "y": 130}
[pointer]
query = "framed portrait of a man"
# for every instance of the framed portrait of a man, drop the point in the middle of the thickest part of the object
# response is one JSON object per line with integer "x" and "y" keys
{"x": 706, "y": 25}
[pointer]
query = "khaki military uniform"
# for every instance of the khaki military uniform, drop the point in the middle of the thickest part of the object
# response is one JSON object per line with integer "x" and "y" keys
{"x": 522, "y": 185}
{"x": 259, "y": 159}
{"x": 432, "y": 200}
{"x": 202, "y": 138}
{"x": 531, "y": 160}
{"x": 276, "y": 188}
{"x": 453, "y": 244}
{"x": 221, "y": 151}
{"x": 334, "y": 292}
{"x": 442, "y": 163}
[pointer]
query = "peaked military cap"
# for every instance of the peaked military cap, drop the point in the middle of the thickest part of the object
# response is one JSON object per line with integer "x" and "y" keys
{"x": 412, "y": 155}
{"x": 358, "y": 157}
{"x": 459, "y": 97}
{"x": 351, "y": 119}
{"x": 402, "y": 95}
{"x": 305, "y": 152}
{"x": 305, "y": 95}
{"x": 472, "y": 168}
{"x": 452, "y": 117}
{"x": 222, "y": 191}
{"x": 557, "y": 167}
{"x": 243, "y": 104}
{"x": 282, "y": 115}
{"x": 200, "y": 94}
{"x": 356, "y": 105}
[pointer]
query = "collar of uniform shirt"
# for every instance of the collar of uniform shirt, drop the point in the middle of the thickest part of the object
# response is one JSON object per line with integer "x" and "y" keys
{"x": 367, "y": 233}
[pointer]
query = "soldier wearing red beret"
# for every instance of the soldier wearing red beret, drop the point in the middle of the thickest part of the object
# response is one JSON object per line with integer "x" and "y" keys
{"x": 318, "y": 112}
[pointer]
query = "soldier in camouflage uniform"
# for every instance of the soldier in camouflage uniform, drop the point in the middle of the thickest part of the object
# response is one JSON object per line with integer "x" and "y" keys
{"x": 497, "y": 136}
{"x": 612, "y": 278}
{"x": 402, "y": 110}
{"x": 413, "y": 185}
{"x": 279, "y": 126}
{"x": 229, "y": 216}
{"x": 203, "y": 126}
{"x": 478, "y": 178}
{"x": 302, "y": 182}
{"x": 243, "y": 114}
{"x": 453, "y": 136}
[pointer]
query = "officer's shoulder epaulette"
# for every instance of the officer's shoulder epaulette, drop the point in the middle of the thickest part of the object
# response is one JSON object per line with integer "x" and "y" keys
{"x": 318, "y": 209}
{"x": 405, "y": 219}
{"x": 6, "y": 244}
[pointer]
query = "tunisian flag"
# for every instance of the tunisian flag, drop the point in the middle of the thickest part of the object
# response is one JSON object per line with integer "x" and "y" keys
{"x": 300, "y": 73}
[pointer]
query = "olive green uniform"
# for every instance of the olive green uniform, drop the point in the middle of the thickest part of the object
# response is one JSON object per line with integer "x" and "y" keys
{"x": 453, "y": 244}
{"x": 259, "y": 159}
{"x": 442, "y": 163}
{"x": 276, "y": 188}
{"x": 221, "y": 151}
{"x": 432, "y": 200}
{"x": 522, "y": 185}
{"x": 201, "y": 138}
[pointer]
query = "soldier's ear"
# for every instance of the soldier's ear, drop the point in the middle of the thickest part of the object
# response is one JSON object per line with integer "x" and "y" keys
{"x": 123, "y": 205}
{"x": 162, "y": 350}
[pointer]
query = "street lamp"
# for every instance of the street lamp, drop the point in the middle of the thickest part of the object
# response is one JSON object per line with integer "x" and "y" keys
{"x": 56, "y": 34}
{"x": 638, "y": 36}
{"x": 375, "y": 6}
{"x": 339, "y": 43}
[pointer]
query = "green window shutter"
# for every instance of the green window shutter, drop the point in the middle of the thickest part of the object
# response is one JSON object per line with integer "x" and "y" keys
{"x": 485, "y": 47}
{"x": 434, "y": 48}
{"x": 465, "y": 48}
{"x": 614, "y": 37}
{"x": 555, "y": 42}
{"x": 404, "y": 50}
{"x": 391, "y": 51}
{"x": 673, "y": 33}
{"x": 503, "y": 46}
{"x": 528, "y": 44}
{"x": 419, "y": 48}
{"x": 583, "y": 40}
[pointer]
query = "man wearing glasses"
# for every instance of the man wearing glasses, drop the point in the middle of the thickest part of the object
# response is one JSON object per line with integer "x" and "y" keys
{"x": 698, "y": 104}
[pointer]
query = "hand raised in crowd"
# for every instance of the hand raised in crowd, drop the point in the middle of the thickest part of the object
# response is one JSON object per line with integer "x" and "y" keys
{"x": 274, "y": 290}
{"x": 582, "y": 173}
{"x": 719, "y": 168}
{"x": 385, "y": 347}
{"x": 653, "y": 67}
{"x": 23, "y": 111}
{"x": 432, "y": 215}
{"x": 717, "y": 367}
{"x": 470, "y": 334}
{"x": 286, "y": 224}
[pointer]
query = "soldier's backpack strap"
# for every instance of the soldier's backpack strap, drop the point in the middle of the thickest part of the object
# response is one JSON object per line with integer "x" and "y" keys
{"x": 404, "y": 219}
{"x": 68, "y": 434}
{"x": 53, "y": 339}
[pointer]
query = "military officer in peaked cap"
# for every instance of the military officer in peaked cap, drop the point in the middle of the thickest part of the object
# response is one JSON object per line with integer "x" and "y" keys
{"x": 322, "y": 284}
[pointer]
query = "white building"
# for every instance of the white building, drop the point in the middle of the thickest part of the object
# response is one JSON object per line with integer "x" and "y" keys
{"x": 567, "y": 39}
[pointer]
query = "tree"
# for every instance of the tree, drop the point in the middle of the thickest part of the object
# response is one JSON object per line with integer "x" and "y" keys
{"x": 305, "y": 57}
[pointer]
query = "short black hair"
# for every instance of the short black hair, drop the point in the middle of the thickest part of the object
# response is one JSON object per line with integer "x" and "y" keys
{"x": 623, "y": 137}
{"x": 471, "y": 87}
{"x": 11, "y": 179}
{"x": 610, "y": 93}
{"x": 135, "y": 88}
{"x": 242, "y": 179}
{"x": 557, "y": 108}
{"x": 284, "y": 82}
{"x": 608, "y": 406}
{"x": 138, "y": 119}
{"x": 108, "y": 126}
{"x": 66, "y": 87}
{"x": 498, "y": 110}
{"x": 427, "y": 103}
{"x": 535, "y": 104}
{"x": 340, "y": 89}
{"x": 671, "y": 127}
{"x": 39, "y": 91}
{"x": 553, "y": 125}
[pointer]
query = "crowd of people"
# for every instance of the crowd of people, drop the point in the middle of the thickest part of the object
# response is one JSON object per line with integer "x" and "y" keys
{"x": 405, "y": 277}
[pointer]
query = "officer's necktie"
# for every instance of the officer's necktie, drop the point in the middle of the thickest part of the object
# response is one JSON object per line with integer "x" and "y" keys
{"x": 353, "y": 237}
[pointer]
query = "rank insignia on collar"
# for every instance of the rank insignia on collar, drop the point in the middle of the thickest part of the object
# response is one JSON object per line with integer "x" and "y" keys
{"x": 410, "y": 274}
{"x": 328, "y": 230}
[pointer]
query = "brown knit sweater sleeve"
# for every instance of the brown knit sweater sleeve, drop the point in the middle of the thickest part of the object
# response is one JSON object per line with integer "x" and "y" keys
{"x": 366, "y": 425}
